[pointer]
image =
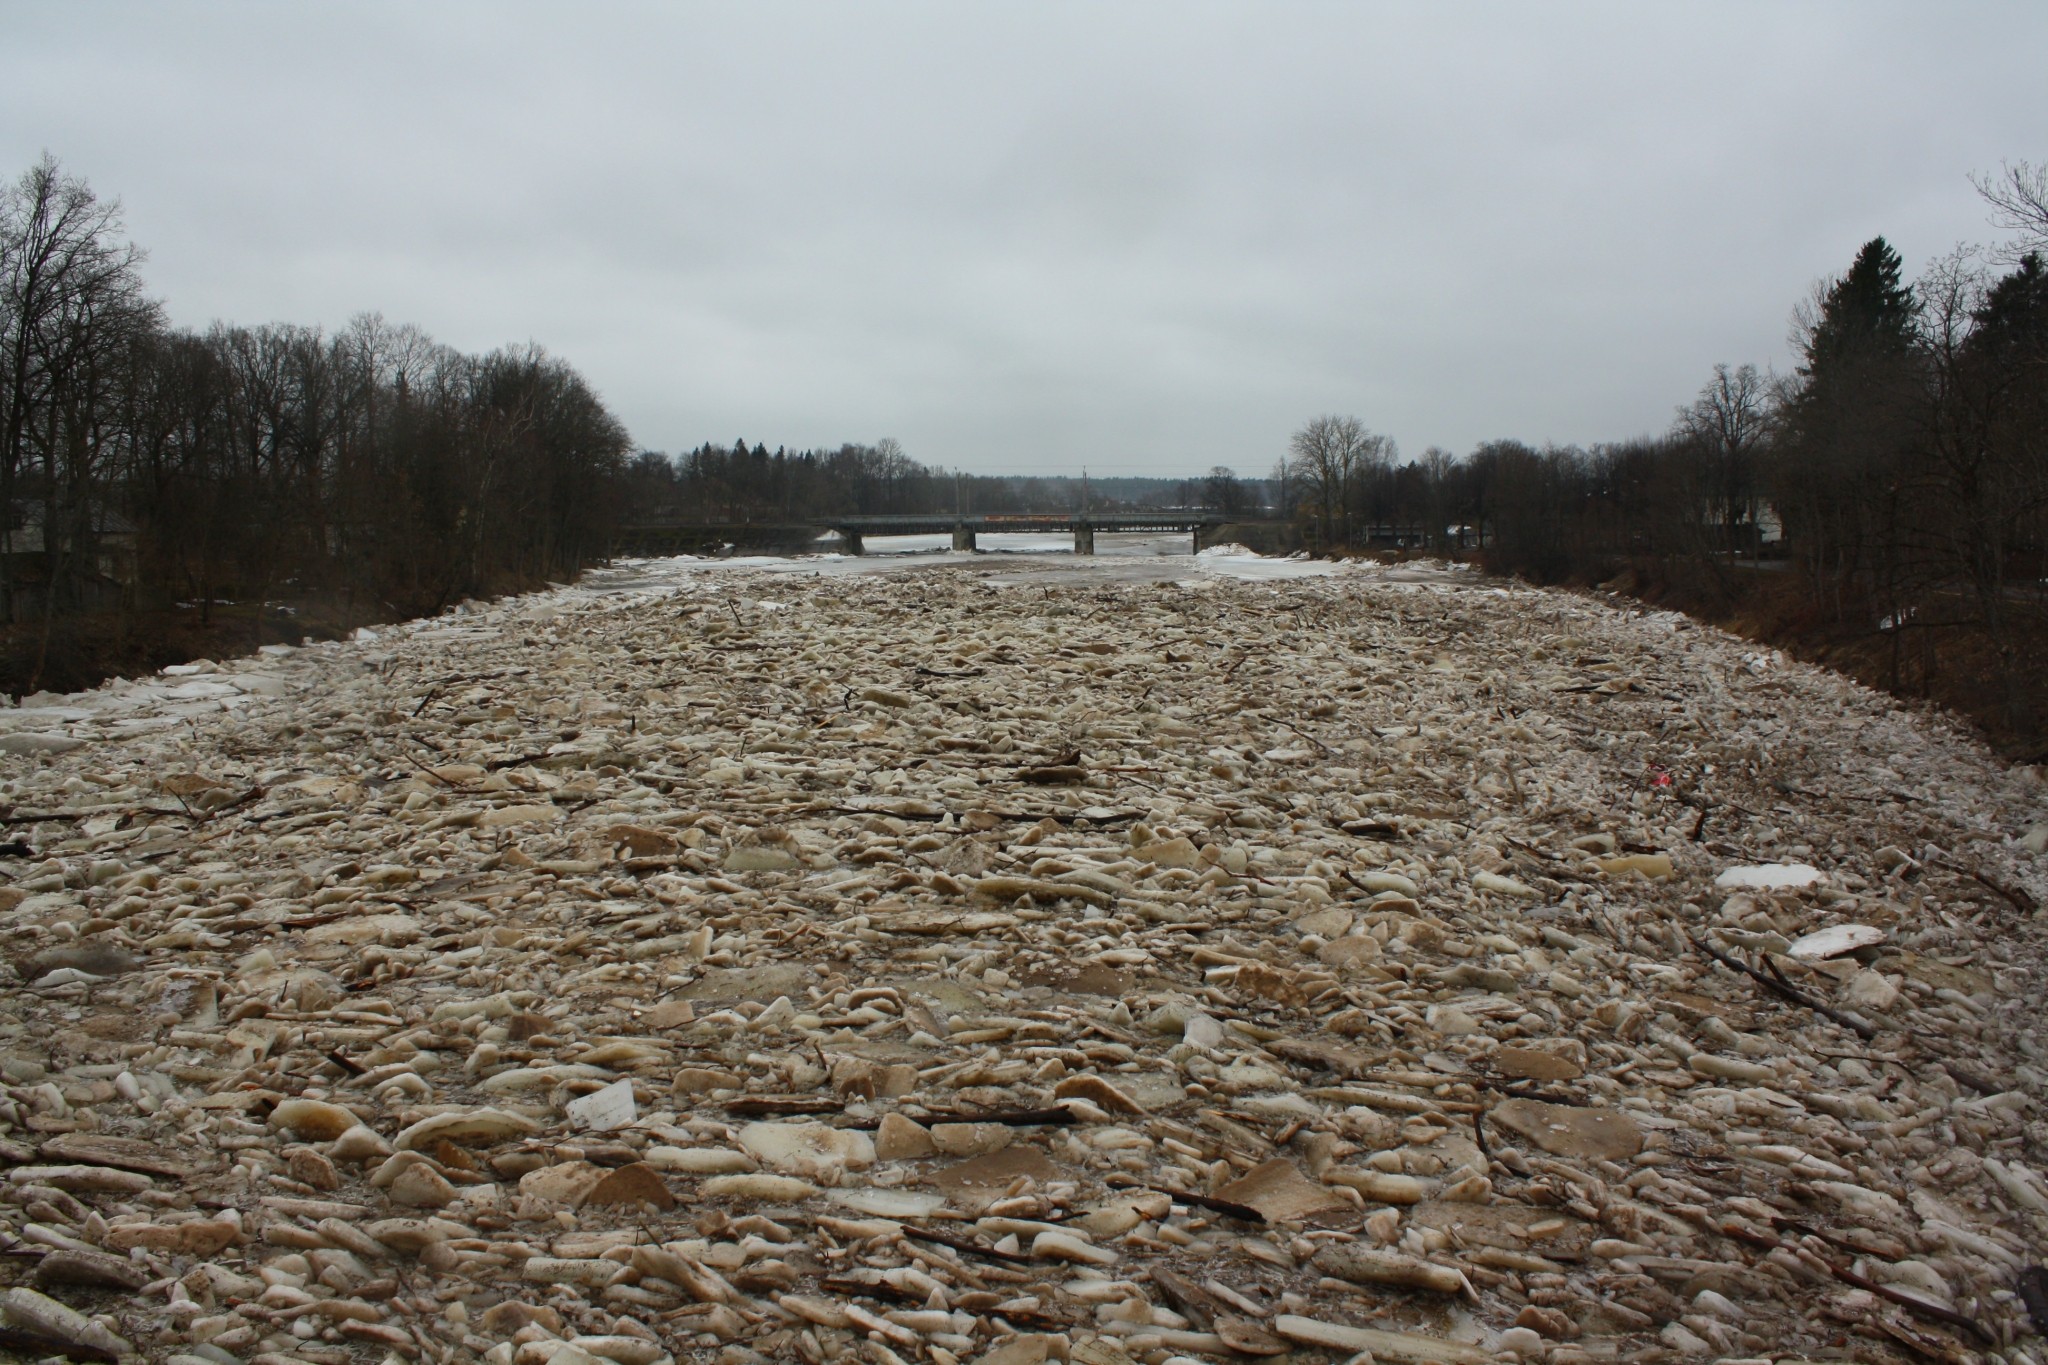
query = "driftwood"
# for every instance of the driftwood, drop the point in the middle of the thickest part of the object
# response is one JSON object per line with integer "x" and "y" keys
{"x": 1009, "y": 1118}
{"x": 769, "y": 1106}
{"x": 1026, "y": 817}
{"x": 1947, "y": 1316}
{"x": 962, "y": 1244}
{"x": 1012, "y": 1118}
{"x": 1200, "y": 1201}
{"x": 1054, "y": 775}
{"x": 2018, "y": 896}
{"x": 1781, "y": 987}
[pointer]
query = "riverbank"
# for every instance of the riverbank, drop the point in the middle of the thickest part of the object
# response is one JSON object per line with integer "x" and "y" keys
{"x": 80, "y": 652}
{"x": 1952, "y": 666}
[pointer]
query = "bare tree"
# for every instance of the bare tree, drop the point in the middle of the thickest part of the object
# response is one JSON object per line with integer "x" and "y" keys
{"x": 1979, "y": 482}
{"x": 2019, "y": 200}
{"x": 71, "y": 303}
{"x": 1727, "y": 426}
{"x": 1224, "y": 492}
{"x": 1438, "y": 467}
{"x": 1286, "y": 487}
{"x": 1332, "y": 456}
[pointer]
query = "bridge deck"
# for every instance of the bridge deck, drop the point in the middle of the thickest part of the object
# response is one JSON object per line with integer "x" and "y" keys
{"x": 930, "y": 523}
{"x": 662, "y": 537}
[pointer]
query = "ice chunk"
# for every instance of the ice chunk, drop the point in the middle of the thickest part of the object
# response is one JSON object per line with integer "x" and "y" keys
{"x": 1769, "y": 877}
{"x": 603, "y": 1110}
{"x": 1835, "y": 940}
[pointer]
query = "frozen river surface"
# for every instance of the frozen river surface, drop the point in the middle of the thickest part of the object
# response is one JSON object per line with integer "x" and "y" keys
{"x": 1012, "y": 957}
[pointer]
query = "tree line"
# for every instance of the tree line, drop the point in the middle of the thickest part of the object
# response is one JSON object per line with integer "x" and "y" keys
{"x": 142, "y": 463}
{"x": 738, "y": 484}
{"x": 1894, "y": 487}
{"x": 741, "y": 484}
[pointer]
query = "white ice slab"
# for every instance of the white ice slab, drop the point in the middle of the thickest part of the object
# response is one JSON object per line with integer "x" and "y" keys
{"x": 1835, "y": 940}
{"x": 606, "y": 1109}
{"x": 1769, "y": 877}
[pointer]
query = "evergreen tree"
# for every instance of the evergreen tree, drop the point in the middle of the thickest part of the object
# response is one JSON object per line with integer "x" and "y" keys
{"x": 1849, "y": 429}
{"x": 1866, "y": 315}
{"x": 2012, "y": 322}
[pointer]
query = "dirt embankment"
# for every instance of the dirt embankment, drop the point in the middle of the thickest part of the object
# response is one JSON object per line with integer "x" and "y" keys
{"x": 81, "y": 652}
{"x": 1939, "y": 658}
{"x": 73, "y": 653}
{"x": 1954, "y": 665}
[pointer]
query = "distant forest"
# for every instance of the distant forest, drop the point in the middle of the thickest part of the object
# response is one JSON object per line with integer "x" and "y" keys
{"x": 751, "y": 484}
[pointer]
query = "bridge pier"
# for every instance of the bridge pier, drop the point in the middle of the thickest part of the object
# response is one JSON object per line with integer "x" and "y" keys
{"x": 1205, "y": 536}
{"x": 1084, "y": 538}
{"x": 850, "y": 541}
{"x": 963, "y": 538}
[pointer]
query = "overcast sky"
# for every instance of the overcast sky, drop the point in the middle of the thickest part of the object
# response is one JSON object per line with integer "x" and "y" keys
{"x": 1144, "y": 238}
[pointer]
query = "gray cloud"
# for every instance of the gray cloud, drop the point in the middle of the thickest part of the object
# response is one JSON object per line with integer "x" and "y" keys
{"x": 1147, "y": 238}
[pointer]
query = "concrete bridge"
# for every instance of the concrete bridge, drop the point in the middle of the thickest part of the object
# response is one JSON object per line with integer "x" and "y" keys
{"x": 1083, "y": 525}
{"x": 678, "y": 537}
